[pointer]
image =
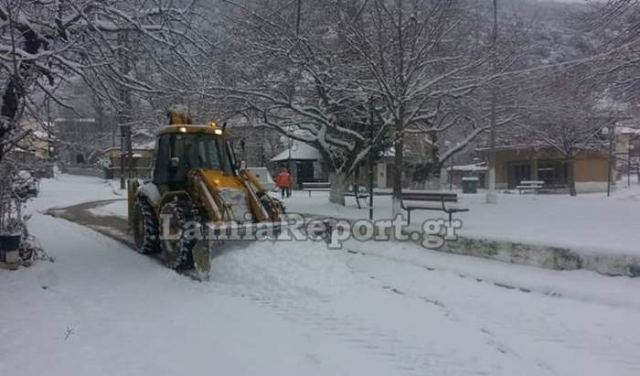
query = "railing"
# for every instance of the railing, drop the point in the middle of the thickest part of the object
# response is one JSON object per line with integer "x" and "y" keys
{"x": 83, "y": 170}
{"x": 107, "y": 172}
{"x": 137, "y": 172}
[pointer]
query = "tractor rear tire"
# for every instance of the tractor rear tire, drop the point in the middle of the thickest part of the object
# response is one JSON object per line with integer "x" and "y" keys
{"x": 183, "y": 226}
{"x": 146, "y": 231}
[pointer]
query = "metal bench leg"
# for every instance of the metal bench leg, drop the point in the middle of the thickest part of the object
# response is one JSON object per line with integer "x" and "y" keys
{"x": 309, "y": 193}
{"x": 358, "y": 202}
{"x": 450, "y": 218}
{"x": 408, "y": 217}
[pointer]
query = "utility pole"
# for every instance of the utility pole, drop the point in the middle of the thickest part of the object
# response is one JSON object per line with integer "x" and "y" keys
{"x": 492, "y": 196}
{"x": 612, "y": 131}
{"x": 124, "y": 114}
{"x": 298, "y": 16}
{"x": 629, "y": 149}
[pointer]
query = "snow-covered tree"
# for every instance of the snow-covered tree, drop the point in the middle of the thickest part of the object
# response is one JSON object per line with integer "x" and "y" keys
{"x": 311, "y": 73}
{"x": 45, "y": 42}
{"x": 617, "y": 25}
{"x": 568, "y": 116}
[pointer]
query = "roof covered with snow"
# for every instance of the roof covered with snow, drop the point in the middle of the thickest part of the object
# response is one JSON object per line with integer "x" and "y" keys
{"x": 136, "y": 147}
{"x": 75, "y": 120}
{"x": 627, "y": 130}
{"x": 470, "y": 167}
{"x": 42, "y": 135}
{"x": 299, "y": 151}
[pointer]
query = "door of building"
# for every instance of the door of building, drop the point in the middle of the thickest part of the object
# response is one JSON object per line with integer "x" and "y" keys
{"x": 518, "y": 172}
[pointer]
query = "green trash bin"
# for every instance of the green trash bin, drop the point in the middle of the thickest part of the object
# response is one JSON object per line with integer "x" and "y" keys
{"x": 470, "y": 184}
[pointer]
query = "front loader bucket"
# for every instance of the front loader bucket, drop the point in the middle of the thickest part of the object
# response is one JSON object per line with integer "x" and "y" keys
{"x": 202, "y": 259}
{"x": 215, "y": 234}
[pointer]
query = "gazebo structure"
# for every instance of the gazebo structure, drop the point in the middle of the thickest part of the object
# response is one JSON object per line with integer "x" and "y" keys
{"x": 304, "y": 161}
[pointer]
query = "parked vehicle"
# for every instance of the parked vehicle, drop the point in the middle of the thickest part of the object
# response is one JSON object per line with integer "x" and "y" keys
{"x": 25, "y": 186}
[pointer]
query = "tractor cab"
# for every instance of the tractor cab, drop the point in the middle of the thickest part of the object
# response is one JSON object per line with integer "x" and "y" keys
{"x": 185, "y": 148}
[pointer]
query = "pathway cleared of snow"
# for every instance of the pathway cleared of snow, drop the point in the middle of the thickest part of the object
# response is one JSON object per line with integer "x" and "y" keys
{"x": 291, "y": 308}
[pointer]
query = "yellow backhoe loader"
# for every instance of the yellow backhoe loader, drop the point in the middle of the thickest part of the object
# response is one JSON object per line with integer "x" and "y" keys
{"x": 198, "y": 193}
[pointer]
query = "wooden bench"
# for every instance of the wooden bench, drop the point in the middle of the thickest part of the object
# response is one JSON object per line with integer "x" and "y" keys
{"x": 441, "y": 201}
{"x": 323, "y": 186}
{"x": 530, "y": 186}
{"x": 358, "y": 192}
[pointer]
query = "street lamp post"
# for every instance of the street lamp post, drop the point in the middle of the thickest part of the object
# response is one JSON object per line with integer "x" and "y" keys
{"x": 610, "y": 131}
{"x": 629, "y": 148}
{"x": 371, "y": 135}
{"x": 123, "y": 153}
{"x": 450, "y": 173}
{"x": 637, "y": 160}
{"x": 290, "y": 142}
{"x": 293, "y": 146}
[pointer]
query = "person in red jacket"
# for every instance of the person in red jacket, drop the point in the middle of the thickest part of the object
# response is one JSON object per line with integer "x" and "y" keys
{"x": 284, "y": 181}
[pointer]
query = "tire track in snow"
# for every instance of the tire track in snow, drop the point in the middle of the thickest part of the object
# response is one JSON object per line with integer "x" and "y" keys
{"x": 448, "y": 313}
{"x": 385, "y": 346}
{"x": 535, "y": 324}
{"x": 291, "y": 283}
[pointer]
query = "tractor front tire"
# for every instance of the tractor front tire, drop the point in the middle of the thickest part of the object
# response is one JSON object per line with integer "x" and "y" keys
{"x": 180, "y": 223}
{"x": 146, "y": 230}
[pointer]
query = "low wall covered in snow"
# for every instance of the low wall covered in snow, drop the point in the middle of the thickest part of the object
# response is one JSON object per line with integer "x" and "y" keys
{"x": 549, "y": 257}
{"x": 539, "y": 255}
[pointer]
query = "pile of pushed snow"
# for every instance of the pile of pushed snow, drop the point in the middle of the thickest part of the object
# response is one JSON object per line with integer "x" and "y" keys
{"x": 284, "y": 267}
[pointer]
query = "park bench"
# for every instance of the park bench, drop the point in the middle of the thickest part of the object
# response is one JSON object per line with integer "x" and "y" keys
{"x": 358, "y": 192}
{"x": 441, "y": 201}
{"x": 323, "y": 186}
{"x": 530, "y": 186}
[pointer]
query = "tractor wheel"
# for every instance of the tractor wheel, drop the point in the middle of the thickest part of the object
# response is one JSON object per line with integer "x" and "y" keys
{"x": 146, "y": 230}
{"x": 180, "y": 225}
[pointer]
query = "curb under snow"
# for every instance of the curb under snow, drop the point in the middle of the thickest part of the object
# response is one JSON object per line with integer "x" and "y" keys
{"x": 538, "y": 255}
{"x": 544, "y": 256}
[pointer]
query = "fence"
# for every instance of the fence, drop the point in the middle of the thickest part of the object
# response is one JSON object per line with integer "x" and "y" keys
{"x": 137, "y": 172}
{"x": 83, "y": 170}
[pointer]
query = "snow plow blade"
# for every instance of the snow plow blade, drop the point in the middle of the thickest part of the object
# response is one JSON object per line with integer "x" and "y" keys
{"x": 215, "y": 234}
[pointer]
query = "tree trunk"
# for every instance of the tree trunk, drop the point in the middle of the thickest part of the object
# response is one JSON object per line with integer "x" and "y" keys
{"x": 397, "y": 177}
{"x": 9, "y": 110}
{"x": 14, "y": 92}
{"x": 571, "y": 177}
{"x": 437, "y": 183}
{"x": 339, "y": 184}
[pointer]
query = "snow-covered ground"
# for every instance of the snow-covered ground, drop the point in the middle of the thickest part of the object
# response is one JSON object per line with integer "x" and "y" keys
{"x": 589, "y": 222}
{"x": 293, "y": 308}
